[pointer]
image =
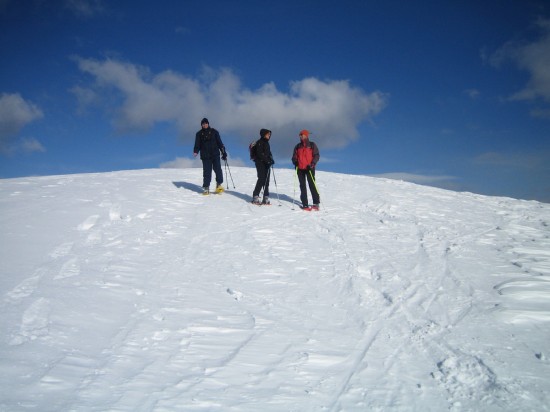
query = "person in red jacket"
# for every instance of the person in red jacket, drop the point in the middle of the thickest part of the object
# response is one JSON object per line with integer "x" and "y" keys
{"x": 305, "y": 158}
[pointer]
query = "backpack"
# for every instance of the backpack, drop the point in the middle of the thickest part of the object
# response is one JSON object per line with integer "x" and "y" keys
{"x": 252, "y": 150}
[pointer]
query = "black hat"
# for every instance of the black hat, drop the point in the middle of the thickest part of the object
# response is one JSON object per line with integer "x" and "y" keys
{"x": 205, "y": 120}
{"x": 263, "y": 132}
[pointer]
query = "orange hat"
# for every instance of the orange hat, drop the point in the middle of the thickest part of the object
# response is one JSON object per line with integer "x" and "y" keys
{"x": 305, "y": 133}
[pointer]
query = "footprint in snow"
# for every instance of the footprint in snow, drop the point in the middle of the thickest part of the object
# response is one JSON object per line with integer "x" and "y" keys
{"x": 236, "y": 294}
{"x": 466, "y": 377}
{"x": 69, "y": 269}
{"x": 61, "y": 250}
{"x": 25, "y": 288}
{"x": 88, "y": 223}
{"x": 34, "y": 322}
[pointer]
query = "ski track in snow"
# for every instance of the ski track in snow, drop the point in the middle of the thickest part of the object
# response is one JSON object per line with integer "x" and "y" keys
{"x": 153, "y": 297}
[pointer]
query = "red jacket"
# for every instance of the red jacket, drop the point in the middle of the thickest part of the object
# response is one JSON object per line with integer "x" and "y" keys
{"x": 305, "y": 154}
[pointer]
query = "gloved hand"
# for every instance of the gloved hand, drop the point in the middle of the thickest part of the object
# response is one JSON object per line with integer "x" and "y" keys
{"x": 270, "y": 162}
{"x": 310, "y": 167}
{"x": 224, "y": 154}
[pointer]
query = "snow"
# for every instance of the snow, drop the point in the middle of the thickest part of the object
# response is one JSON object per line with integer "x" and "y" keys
{"x": 130, "y": 291}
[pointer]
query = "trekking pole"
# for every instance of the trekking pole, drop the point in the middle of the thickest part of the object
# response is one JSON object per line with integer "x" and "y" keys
{"x": 226, "y": 180}
{"x": 314, "y": 184}
{"x": 276, "y": 188}
{"x": 295, "y": 178}
{"x": 228, "y": 168}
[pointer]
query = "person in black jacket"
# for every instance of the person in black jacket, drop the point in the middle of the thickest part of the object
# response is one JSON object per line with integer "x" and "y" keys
{"x": 264, "y": 160}
{"x": 209, "y": 143}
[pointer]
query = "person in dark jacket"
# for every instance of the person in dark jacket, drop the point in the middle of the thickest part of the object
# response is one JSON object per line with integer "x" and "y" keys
{"x": 305, "y": 158}
{"x": 264, "y": 160}
{"x": 209, "y": 143}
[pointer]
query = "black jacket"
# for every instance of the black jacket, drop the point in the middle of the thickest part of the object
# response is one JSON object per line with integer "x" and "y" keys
{"x": 209, "y": 143}
{"x": 263, "y": 151}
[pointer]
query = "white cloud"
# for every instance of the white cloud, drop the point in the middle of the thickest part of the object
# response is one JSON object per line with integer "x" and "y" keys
{"x": 473, "y": 94}
{"x": 15, "y": 113}
{"x": 520, "y": 160}
{"x": 416, "y": 178}
{"x": 182, "y": 163}
{"x": 30, "y": 145}
{"x": 441, "y": 181}
{"x": 84, "y": 8}
{"x": 86, "y": 97}
{"x": 332, "y": 110}
{"x": 533, "y": 57}
{"x": 541, "y": 113}
{"x": 182, "y": 30}
{"x": 187, "y": 163}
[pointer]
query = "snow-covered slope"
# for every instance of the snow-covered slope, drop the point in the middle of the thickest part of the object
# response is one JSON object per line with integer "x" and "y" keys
{"x": 130, "y": 291}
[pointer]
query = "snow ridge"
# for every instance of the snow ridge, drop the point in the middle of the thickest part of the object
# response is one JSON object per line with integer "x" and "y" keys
{"x": 131, "y": 291}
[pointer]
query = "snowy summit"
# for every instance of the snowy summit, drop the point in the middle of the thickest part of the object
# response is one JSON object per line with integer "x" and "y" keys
{"x": 131, "y": 291}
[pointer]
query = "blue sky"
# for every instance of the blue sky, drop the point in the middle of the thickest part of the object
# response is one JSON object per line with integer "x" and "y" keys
{"x": 452, "y": 94}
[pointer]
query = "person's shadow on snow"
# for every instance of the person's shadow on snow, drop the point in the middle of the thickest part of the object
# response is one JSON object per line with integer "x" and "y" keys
{"x": 189, "y": 186}
{"x": 273, "y": 197}
{"x": 198, "y": 189}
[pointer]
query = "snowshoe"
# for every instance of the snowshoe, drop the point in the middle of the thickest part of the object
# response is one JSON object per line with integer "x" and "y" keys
{"x": 219, "y": 189}
{"x": 205, "y": 191}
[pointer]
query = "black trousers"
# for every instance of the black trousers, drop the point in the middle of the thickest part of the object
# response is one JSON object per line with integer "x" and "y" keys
{"x": 308, "y": 175}
{"x": 207, "y": 166}
{"x": 262, "y": 170}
